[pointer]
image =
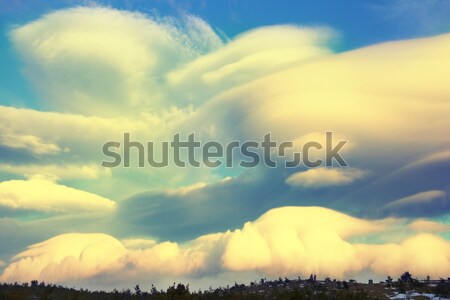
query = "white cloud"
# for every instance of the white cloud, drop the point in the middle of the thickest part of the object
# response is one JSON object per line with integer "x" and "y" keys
{"x": 284, "y": 241}
{"x": 42, "y": 194}
{"x": 322, "y": 177}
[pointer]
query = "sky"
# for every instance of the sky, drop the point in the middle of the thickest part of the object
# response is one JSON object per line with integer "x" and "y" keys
{"x": 78, "y": 74}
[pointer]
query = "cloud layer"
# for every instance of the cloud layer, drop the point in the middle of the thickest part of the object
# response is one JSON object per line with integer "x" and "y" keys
{"x": 284, "y": 241}
{"x": 100, "y": 72}
{"x": 115, "y": 59}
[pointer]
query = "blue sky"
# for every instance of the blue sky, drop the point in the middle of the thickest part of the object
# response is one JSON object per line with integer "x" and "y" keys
{"x": 75, "y": 75}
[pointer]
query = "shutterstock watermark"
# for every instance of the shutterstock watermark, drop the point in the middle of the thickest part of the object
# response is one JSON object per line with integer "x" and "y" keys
{"x": 247, "y": 154}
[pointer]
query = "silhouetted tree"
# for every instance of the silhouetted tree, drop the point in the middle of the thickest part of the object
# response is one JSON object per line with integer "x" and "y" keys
{"x": 345, "y": 285}
{"x": 137, "y": 290}
{"x": 406, "y": 277}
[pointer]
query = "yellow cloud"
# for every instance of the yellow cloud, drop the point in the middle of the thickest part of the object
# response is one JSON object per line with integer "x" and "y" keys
{"x": 347, "y": 93}
{"x": 428, "y": 226}
{"x": 73, "y": 131}
{"x": 30, "y": 143}
{"x": 248, "y": 57}
{"x": 244, "y": 83}
{"x": 42, "y": 194}
{"x": 88, "y": 59}
{"x": 70, "y": 256}
{"x": 423, "y": 254}
{"x": 298, "y": 240}
{"x": 118, "y": 62}
{"x": 285, "y": 241}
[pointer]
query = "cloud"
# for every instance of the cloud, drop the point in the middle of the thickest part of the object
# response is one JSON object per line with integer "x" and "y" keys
{"x": 305, "y": 97}
{"x": 23, "y": 228}
{"x": 200, "y": 209}
{"x": 102, "y": 61}
{"x": 182, "y": 191}
{"x": 320, "y": 177}
{"x": 430, "y": 201}
{"x": 138, "y": 243}
{"x": 155, "y": 76}
{"x": 67, "y": 256}
{"x": 433, "y": 158}
{"x": 73, "y": 131}
{"x": 285, "y": 241}
{"x": 250, "y": 56}
{"x": 236, "y": 94}
{"x": 347, "y": 93}
{"x": 44, "y": 195}
{"x": 142, "y": 75}
{"x": 56, "y": 171}
{"x": 147, "y": 63}
{"x": 29, "y": 143}
{"x": 208, "y": 209}
{"x": 389, "y": 184}
{"x": 428, "y": 226}
{"x": 84, "y": 136}
{"x": 420, "y": 198}
{"x": 424, "y": 16}
{"x": 289, "y": 240}
{"x": 395, "y": 258}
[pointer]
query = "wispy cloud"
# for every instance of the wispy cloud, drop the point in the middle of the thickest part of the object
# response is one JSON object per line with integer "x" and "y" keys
{"x": 424, "y": 203}
{"x": 425, "y": 16}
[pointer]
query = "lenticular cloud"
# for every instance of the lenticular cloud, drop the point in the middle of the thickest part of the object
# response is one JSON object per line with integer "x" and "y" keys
{"x": 285, "y": 241}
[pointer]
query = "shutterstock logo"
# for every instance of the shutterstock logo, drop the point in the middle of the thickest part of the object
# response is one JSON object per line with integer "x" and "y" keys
{"x": 247, "y": 154}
